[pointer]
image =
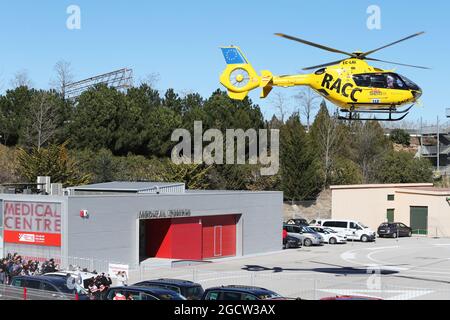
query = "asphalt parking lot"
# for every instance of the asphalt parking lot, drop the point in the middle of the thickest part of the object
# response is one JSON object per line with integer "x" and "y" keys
{"x": 393, "y": 269}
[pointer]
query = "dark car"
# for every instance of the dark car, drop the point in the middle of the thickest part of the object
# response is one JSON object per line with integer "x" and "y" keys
{"x": 59, "y": 286}
{"x": 141, "y": 293}
{"x": 298, "y": 222}
{"x": 240, "y": 293}
{"x": 188, "y": 289}
{"x": 291, "y": 242}
{"x": 394, "y": 230}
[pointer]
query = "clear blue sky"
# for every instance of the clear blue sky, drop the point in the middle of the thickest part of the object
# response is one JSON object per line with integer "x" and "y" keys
{"x": 180, "y": 40}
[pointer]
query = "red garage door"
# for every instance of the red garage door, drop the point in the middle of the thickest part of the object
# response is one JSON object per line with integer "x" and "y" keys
{"x": 219, "y": 236}
{"x": 191, "y": 238}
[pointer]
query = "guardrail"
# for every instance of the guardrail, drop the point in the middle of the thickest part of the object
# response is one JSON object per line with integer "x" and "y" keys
{"x": 17, "y": 293}
{"x": 288, "y": 283}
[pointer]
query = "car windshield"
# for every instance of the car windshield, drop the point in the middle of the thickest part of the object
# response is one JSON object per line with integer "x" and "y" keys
{"x": 269, "y": 295}
{"x": 308, "y": 230}
{"x": 193, "y": 293}
{"x": 330, "y": 230}
{"x": 362, "y": 225}
{"x": 65, "y": 289}
{"x": 169, "y": 295}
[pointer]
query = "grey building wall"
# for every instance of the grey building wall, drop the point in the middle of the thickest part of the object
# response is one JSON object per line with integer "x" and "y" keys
{"x": 111, "y": 232}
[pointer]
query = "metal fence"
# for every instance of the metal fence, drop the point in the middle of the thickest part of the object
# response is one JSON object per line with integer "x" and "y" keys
{"x": 296, "y": 285}
{"x": 16, "y": 293}
{"x": 287, "y": 282}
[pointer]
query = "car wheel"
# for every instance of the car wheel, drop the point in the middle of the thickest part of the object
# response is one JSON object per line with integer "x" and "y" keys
{"x": 308, "y": 243}
{"x": 365, "y": 238}
{"x": 410, "y": 234}
{"x": 332, "y": 241}
{"x": 395, "y": 235}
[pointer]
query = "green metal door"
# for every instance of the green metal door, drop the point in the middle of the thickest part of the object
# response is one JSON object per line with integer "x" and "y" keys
{"x": 390, "y": 215}
{"x": 419, "y": 220}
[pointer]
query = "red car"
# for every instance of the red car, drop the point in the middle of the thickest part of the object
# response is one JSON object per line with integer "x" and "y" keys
{"x": 350, "y": 298}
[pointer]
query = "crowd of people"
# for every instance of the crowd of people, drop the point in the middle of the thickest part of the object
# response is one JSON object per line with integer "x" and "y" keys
{"x": 98, "y": 286}
{"x": 14, "y": 265}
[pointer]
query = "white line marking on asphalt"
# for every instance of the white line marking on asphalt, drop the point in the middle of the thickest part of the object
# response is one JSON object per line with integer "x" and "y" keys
{"x": 382, "y": 264}
{"x": 381, "y": 248}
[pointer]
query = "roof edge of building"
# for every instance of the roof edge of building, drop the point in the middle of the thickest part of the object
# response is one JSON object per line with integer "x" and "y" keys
{"x": 435, "y": 192}
{"x": 382, "y": 186}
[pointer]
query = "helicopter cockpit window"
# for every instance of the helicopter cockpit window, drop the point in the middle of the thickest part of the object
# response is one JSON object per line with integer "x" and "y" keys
{"x": 395, "y": 82}
{"x": 378, "y": 81}
{"x": 362, "y": 80}
{"x": 410, "y": 85}
{"x": 382, "y": 81}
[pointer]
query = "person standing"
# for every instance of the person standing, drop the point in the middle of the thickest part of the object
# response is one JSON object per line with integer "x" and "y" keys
{"x": 122, "y": 278}
{"x": 2, "y": 275}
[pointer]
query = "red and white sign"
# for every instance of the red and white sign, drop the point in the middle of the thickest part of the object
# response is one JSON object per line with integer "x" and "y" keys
{"x": 43, "y": 239}
{"x": 32, "y": 223}
{"x": 84, "y": 214}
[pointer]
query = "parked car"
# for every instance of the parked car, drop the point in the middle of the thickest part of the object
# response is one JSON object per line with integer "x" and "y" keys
{"x": 57, "y": 285}
{"x": 85, "y": 276}
{"x": 188, "y": 289}
{"x": 313, "y": 238}
{"x": 298, "y": 222}
{"x": 330, "y": 236}
{"x": 350, "y": 298}
{"x": 291, "y": 242}
{"x": 354, "y": 230}
{"x": 394, "y": 230}
{"x": 141, "y": 293}
{"x": 307, "y": 236}
{"x": 240, "y": 293}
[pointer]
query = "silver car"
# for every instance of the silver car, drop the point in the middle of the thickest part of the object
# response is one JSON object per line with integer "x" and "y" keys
{"x": 306, "y": 235}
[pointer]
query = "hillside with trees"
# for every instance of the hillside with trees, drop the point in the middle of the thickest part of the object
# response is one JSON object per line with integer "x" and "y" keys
{"x": 107, "y": 135}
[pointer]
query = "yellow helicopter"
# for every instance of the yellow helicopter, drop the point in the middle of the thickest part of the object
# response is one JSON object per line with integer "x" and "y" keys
{"x": 350, "y": 83}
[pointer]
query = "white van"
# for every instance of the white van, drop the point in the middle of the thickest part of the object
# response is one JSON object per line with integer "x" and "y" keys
{"x": 354, "y": 230}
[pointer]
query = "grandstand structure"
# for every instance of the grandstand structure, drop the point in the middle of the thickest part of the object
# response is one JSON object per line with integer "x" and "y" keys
{"x": 119, "y": 79}
{"x": 435, "y": 145}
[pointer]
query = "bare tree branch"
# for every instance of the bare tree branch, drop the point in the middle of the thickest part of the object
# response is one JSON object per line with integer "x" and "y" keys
{"x": 64, "y": 76}
{"x": 21, "y": 79}
{"x": 308, "y": 102}
{"x": 280, "y": 103}
{"x": 150, "y": 79}
{"x": 42, "y": 120}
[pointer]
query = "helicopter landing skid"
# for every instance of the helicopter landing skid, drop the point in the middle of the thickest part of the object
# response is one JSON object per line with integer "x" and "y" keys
{"x": 354, "y": 114}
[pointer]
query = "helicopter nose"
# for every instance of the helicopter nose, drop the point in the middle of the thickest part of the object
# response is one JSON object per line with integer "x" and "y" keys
{"x": 416, "y": 93}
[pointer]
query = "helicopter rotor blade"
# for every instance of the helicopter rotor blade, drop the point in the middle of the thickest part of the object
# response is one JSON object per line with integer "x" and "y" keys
{"x": 309, "y": 43}
{"x": 365, "y": 54}
{"x": 396, "y": 63}
{"x": 324, "y": 65}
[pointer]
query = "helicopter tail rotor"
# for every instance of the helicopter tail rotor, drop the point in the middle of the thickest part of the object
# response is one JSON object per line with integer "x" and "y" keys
{"x": 240, "y": 77}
